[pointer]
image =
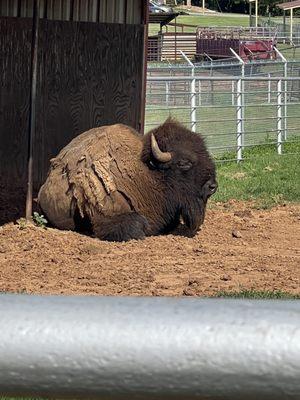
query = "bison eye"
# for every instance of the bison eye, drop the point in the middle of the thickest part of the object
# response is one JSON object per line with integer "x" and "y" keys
{"x": 152, "y": 165}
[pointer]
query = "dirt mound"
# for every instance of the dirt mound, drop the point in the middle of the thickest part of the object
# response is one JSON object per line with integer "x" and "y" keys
{"x": 237, "y": 248}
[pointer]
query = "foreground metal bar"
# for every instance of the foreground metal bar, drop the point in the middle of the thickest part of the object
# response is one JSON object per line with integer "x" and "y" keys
{"x": 149, "y": 348}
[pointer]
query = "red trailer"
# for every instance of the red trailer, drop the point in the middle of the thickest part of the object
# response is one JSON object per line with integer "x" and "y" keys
{"x": 216, "y": 44}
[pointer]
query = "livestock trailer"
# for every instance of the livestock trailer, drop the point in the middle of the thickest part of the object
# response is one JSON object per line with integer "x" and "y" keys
{"x": 217, "y": 44}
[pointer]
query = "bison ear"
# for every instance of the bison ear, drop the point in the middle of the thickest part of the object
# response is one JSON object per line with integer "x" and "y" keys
{"x": 184, "y": 164}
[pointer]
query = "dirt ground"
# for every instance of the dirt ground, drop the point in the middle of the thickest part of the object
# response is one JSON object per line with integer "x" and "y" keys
{"x": 237, "y": 248}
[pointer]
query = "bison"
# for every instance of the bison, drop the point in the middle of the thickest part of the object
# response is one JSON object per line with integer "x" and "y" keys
{"x": 120, "y": 185}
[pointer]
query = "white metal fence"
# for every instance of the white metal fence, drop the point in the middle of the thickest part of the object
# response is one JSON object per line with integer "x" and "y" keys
{"x": 233, "y": 114}
{"x": 233, "y": 67}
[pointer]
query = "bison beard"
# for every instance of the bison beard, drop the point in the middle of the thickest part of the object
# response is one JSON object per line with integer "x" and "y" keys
{"x": 119, "y": 185}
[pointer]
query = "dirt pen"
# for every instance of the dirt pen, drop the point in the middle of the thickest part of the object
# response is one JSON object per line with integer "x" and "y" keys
{"x": 238, "y": 248}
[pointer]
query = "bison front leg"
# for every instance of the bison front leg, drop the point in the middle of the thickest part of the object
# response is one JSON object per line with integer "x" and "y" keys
{"x": 120, "y": 228}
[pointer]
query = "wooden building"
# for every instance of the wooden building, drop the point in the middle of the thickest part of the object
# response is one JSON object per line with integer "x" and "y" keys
{"x": 90, "y": 71}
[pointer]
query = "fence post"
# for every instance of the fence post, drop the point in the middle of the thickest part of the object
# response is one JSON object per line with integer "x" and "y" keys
{"x": 193, "y": 93}
{"x": 193, "y": 101}
{"x": 232, "y": 93}
{"x": 167, "y": 93}
{"x": 285, "y": 97}
{"x": 243, "y": 104}
{"x": 269, "y": 89}
{"x": 242, "y": 64}
{"x": 285, "y": 68}
{"x": 199, "y": 95}
{"x": 291, "y": 26}
{"x": 239, "y": 120}
{"x": 212, "y": 97}
{"x": 279, "y": 116}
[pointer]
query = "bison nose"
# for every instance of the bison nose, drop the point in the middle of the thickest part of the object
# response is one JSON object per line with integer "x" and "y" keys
{"x": 209, "y": 188}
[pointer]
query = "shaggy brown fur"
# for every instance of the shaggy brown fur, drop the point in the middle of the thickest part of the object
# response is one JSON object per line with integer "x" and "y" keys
{"x": 108, "y": 181}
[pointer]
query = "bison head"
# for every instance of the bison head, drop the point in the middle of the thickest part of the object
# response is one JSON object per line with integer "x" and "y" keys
{"x": 186, "y": 169}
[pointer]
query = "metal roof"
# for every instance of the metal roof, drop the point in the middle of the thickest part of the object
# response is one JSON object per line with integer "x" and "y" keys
{"x": 105, "y": 11}
{"x": 289, "y": 5}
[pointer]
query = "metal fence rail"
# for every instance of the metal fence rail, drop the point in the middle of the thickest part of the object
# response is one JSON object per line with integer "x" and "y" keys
{"x": 231, "y": 113}
{"x": 230, "y": 67}
{"x": 149, "y": 348}
{"x": 283, "y": 30}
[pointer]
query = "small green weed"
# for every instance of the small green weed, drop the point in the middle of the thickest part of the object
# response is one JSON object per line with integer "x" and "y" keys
{"x": 39, "y": 220}
{"x": 22, "y": 223}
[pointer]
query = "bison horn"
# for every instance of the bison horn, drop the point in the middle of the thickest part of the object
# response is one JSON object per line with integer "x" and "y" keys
{"x": 161, "y": 156}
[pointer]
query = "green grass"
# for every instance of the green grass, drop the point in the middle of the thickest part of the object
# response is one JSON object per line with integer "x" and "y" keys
{"x": 256, "y": 294}
{"x": 214, "y": 20}
{"x": 265, "y": 178}
{"x": 204, "y": 20}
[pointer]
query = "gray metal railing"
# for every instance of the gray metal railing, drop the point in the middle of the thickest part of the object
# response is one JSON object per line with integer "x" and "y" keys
{"x": 231, "y": 113}
{"x": 90, "y": 347}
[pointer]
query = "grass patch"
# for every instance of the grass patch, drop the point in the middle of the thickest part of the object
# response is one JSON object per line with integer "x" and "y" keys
{"x": 257, "y": 294}
{"x": 214, "y": 20}
{"x": 264, "y": 177}
{"x": 204, "y": 20}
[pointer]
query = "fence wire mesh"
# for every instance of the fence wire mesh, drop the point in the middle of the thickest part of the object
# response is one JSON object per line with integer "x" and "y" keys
{"x": 232, "y": 113}
{"x": 283, "y": 28}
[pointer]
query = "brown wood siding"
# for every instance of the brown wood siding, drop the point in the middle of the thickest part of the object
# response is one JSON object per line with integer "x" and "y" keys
{"x": 89, "y": 75}
{"x": 15, "y": 53}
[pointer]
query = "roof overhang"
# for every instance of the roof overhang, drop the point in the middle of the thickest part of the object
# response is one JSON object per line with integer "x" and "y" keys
{"x": 289, "y": 5}
{"x": 162, "y": 18}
